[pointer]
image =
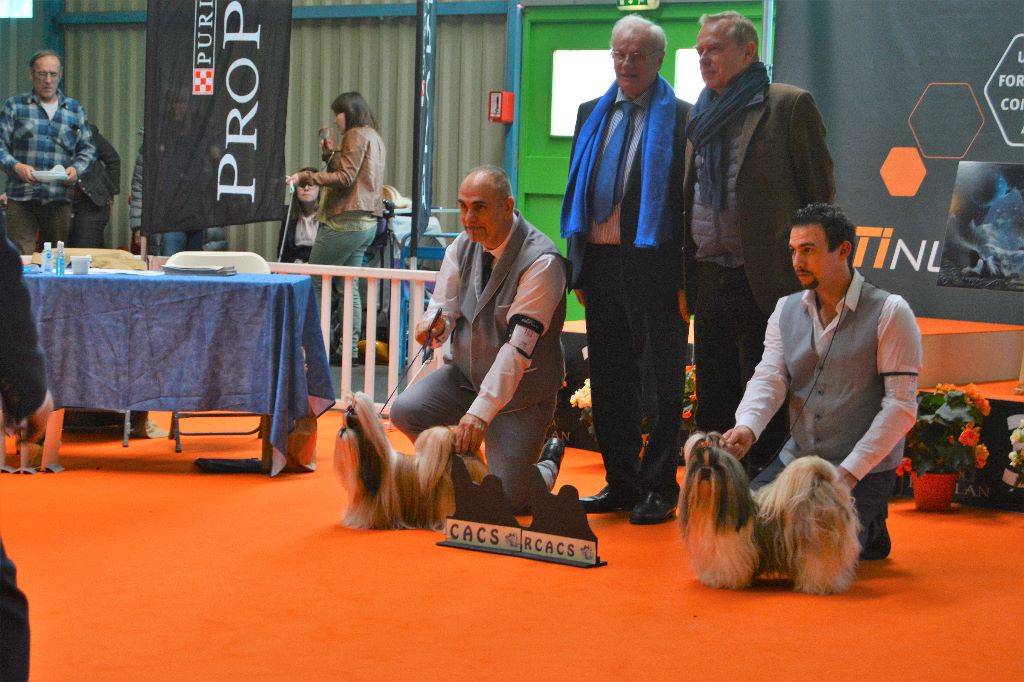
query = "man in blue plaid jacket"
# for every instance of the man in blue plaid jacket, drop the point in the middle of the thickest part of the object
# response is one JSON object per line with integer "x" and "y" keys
{"x": 40, "y": 130}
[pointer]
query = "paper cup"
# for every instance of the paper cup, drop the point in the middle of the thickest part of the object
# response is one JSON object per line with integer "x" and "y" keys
{"x": 80, "y": 265}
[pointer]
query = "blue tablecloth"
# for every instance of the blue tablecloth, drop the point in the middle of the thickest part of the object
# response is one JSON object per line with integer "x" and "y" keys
{"x": 249, "y": 343}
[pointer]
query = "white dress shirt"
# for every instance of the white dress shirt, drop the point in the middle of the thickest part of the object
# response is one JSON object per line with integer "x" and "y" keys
{"x": 608, "y": 232}
{"x": 539, "y": 292}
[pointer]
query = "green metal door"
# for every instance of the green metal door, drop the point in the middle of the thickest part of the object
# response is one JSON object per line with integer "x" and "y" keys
{"x": 543, "y": 157}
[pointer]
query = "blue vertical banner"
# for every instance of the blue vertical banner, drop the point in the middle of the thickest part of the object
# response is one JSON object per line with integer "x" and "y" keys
{"x": 215, "y": 112}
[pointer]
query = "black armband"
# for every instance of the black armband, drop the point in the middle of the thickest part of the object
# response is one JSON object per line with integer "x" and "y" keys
{"x": 523, "y": 333}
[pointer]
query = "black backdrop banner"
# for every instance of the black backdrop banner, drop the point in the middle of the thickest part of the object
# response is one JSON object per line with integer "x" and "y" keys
{"x": 908, "y": 90}
{"x": 216, "y": 103}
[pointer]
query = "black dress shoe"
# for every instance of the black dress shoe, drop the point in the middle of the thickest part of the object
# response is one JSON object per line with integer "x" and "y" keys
{"x": 606, "y": 501}
{"x": 554, "y": 451}
{"x": 654, "y": 508}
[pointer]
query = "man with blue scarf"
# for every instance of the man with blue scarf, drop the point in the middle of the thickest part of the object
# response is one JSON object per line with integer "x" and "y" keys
{"x": 755, "y": 154}
{"x": 622, "y": 217}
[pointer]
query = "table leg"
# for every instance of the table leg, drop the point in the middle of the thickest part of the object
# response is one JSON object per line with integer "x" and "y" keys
{"x": 267, "y": 448}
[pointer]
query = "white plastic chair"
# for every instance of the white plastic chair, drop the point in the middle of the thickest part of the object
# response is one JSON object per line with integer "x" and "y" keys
{"x": 243, "y": 261}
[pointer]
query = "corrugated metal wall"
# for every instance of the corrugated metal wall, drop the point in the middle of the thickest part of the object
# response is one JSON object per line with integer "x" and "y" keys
{"x": 19, "y": 39}
{"x": 373, "y": 56}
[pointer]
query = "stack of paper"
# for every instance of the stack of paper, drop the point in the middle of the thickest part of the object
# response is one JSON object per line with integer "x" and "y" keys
{"x": 217, "y": 270}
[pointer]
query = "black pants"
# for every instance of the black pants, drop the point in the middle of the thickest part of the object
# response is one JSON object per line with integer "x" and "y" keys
{"x": 88, "y": 225}
{"x": 728, "y": 343}
{"x": 870, "y": 497}
{"x": 618, "y": 328}
{"x": 14, "y": 634}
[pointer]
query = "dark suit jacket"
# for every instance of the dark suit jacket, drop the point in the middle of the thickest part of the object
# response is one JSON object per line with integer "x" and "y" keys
{"x": 650, "y": 275}
{"x": 784, "y": 165}
{"x": 23, "y": 389}
{"x": 102, "y": 180}
{"x": 22, "y": 373}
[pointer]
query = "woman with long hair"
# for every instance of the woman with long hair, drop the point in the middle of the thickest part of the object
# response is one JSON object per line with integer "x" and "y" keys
{"x": 296, "y": 239}
{"x": 350, "y": 201}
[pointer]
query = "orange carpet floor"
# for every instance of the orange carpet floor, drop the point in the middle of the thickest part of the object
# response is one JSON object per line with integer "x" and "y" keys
{"x": 140, "y": 567}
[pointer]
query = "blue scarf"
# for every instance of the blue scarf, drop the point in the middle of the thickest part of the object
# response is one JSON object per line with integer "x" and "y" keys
{"x": 655, "y": 224}
{"x": 708, "y": 121}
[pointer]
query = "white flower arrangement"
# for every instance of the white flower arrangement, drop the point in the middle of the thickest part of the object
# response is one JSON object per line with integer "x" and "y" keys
{"x": 1017, "y": 453}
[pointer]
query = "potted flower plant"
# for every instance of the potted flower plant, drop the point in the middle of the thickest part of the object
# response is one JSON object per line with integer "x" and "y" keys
{"x": 944, "y": 442}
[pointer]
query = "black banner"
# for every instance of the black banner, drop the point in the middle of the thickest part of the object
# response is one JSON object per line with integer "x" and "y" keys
{"x": 216, "y": 102}
{"x": 909, "y": 90}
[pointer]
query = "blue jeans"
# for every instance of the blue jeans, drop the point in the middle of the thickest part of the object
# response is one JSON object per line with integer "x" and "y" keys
{"x": 173, "y": 242}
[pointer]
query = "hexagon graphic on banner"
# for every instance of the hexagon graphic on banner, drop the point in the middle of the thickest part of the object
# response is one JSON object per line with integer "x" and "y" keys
{"x": 1004, "y": 92}
{"x": 946, "y": 120}
{"x": 902, "y": 171}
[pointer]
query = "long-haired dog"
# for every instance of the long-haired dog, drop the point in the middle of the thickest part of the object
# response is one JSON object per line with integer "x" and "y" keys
{"x": 387, "y": 489}
{"x": 802, "y": 526}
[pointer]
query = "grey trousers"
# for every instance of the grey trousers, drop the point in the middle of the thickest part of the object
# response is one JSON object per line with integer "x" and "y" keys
{"x": 513, "y": 440}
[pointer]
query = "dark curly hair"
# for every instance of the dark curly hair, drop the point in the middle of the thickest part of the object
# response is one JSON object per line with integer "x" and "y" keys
{"x": 838, "y": 228}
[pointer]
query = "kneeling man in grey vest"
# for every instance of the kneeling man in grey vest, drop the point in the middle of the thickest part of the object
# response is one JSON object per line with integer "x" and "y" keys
{"x": 847, "y": 354}
{"x": 501, "y": 297}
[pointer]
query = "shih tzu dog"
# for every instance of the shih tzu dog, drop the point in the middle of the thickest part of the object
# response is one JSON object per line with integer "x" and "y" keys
{"x": 387, "y": 489}
{"x": 802, "y": 526}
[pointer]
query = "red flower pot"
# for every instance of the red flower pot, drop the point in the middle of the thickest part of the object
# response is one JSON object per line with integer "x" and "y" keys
{"x": 934, "y": 492}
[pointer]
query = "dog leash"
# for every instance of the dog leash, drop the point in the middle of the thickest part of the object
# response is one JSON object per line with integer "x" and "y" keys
{"x": 426, "y": 354}
{"x": 287, "y": 218}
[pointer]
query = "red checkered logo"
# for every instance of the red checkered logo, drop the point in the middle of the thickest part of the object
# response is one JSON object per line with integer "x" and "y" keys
{"x": 202, "y": 81}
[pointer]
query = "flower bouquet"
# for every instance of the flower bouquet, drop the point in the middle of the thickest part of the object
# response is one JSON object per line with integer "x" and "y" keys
{"x": 582, "y": 399}
{"x": 1016, "y": 457}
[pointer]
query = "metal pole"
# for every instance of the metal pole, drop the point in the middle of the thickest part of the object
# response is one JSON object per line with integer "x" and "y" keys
{"x": 768, "y": 35}
{"x": 513, "y": 68}
{"x": 423, "y": 131}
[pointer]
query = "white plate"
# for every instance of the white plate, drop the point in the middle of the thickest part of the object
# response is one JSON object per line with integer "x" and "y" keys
{"x": 50, "y": 176}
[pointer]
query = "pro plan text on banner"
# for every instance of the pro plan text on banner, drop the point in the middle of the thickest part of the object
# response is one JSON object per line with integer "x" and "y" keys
{"x": 216, "y": 102}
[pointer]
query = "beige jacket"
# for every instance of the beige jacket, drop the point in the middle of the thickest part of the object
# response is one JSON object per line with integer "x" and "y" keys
{"x": 354, "y": 175}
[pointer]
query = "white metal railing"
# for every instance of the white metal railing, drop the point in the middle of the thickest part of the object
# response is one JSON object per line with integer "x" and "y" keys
{"x": 407, "y": 309}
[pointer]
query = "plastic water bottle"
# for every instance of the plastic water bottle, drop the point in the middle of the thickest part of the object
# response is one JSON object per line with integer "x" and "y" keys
{"x": 60, "y": 259}
{"x": 47, "y": 258}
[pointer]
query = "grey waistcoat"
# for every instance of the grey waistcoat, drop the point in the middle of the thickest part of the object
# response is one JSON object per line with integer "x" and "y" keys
{"x": 849, "y": 391}
{"x": 716, "y": 232}
{"x": 480, "y": 331}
